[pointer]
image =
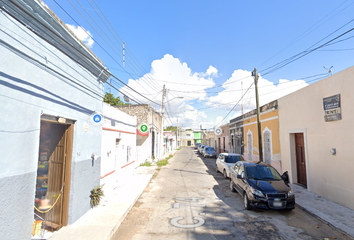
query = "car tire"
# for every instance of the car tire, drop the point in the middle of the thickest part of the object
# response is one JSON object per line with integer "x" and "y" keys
{"x": 225, "y": 174}
{"x": 246, "y": 202}
{"x": 232, "y": 186}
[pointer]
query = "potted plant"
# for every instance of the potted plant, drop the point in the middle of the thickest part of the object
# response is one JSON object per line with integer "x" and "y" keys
{"x": 96, "y": 195}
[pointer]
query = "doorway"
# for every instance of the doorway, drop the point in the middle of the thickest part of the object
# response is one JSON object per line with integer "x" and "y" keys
{"x": 300, "y": 159}
{"x": 53, "y": 174}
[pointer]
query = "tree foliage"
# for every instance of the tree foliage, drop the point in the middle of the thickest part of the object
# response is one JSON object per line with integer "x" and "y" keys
{"x": 171, "y": 128}
{"x": 110, "y": 99}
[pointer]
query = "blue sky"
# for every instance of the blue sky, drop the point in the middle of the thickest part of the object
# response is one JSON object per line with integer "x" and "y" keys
{"x": 203, "y": 50}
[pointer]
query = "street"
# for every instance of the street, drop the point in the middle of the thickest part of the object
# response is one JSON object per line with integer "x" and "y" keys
{"x": 189, "y": 200}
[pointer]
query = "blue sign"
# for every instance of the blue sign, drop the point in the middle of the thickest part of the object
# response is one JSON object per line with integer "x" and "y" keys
{"x": 97, "y": 118}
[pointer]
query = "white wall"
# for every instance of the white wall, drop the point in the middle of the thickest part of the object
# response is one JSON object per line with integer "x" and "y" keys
{"x": 330, "y": 176}
{"x": 116, "y": 166}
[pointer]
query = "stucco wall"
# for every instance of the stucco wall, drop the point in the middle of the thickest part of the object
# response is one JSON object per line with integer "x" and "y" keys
{"x": 327, "y": 175}
{"x": 270, "y": 123}
{"x": 36, "y": 79}
{"x": 114, "y": 164}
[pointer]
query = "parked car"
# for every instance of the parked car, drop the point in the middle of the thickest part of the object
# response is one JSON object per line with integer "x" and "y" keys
{"x": 201, "y": 148}
{"x": 225, "y": 161}
{"x": 261, "y": 186}
{"x": 197, "y": 145}
{"x": 209, "y": 152}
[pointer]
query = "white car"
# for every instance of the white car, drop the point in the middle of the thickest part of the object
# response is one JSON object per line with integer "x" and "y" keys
{"x": 225, "y": 161}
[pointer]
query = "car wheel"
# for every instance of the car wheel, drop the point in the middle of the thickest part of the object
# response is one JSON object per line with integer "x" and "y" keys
{"x": 225, "y": 174}
{"x": 232, "y": 186}
{"x": 246, "y": 202}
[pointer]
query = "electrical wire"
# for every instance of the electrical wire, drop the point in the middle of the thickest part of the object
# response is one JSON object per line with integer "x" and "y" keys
{"x": 108, "y": 55}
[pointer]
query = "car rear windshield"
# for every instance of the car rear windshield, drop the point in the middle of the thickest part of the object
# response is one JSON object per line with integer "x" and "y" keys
{"x": 209, "y": 149}
{"x": 233, "y": 159}
{"x": 260, "y": 172}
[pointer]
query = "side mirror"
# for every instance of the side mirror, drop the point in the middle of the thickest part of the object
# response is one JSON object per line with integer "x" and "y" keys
{"x": 285, "y": 177}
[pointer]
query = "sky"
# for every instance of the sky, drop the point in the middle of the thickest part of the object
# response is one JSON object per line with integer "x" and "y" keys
{"x": 204, "y": 52}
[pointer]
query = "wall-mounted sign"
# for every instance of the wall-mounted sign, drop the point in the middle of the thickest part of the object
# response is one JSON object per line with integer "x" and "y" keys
{"x": 86, "y": 127}
{"x": 126, "y": 98}
{"x": 332, "y": 110}
{"x": 96, "y": 118}
{"x": 218, "y": 131}
{"x": 143, "y": 128}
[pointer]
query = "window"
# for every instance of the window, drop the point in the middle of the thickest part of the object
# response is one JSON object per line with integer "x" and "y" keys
{"x": 249, "y": 145}
{"x": 267, "y": 145}
{"x": 188, "y": 135}
{"x": 117, "y": 142}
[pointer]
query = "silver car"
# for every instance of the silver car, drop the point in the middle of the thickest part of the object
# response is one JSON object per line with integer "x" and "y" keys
{"x": 225, "y": 161}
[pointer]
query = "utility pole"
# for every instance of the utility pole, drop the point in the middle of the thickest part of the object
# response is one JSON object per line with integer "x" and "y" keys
{"x": 255, "y": 74}
{"x": 177, "y": 134}
{"x": 162, "y": 113}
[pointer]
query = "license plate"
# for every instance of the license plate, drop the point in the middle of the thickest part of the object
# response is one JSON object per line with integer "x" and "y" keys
{"x": 277, "y": 204}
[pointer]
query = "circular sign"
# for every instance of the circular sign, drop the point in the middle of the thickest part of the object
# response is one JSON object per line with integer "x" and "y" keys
{"x": 143, "y": 128}
{"x": 126, "y": 98}
{"x": 218, "y": 131}
{"x": 96, "y": 118}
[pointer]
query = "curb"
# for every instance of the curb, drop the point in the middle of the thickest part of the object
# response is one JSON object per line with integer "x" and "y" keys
{"x": 326, "y": 222}
{"x": 114, "y": 230}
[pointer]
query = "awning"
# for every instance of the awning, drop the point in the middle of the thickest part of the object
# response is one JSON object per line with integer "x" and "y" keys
{"x": 140, "y": 133}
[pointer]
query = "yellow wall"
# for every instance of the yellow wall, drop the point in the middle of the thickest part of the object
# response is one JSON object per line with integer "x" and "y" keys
{"x": 269, "y": 120}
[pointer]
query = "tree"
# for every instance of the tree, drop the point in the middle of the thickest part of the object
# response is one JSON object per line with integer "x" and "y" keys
{"x": 171, "y": 128}
{"x": 110, "y": 99}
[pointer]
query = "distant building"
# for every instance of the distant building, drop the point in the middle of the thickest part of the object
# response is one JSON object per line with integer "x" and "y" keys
{"x": 187, "y": 138}
{"x": 148, "y": 143}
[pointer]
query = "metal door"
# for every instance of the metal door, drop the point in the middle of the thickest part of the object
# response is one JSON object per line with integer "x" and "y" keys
{"x": 300, "y": 159}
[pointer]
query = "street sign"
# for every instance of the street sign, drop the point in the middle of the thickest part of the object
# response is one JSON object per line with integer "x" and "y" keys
{"x": 143, "y": 128}
{"x": 126, "y": 98}
{"x": 218, "y": 131}
{"x": 96, "y": 118}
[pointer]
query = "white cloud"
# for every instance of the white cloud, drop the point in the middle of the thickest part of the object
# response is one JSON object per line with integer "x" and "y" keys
{"x": 181, "y": 81}
{"x": 84, "y": 35}
{"x": 236, "y": 86}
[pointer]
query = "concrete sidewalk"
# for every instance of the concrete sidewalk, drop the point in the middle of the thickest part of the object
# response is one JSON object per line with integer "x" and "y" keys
{"x": 337, "y": 216}
{"x": 102, "y": 221}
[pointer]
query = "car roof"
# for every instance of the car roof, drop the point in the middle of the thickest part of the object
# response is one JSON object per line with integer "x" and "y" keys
{"x": 254, "y": 163}
{"x": 230, "y": 154}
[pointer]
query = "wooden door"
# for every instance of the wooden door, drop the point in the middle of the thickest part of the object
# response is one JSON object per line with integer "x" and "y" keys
{"x": 300, "y": 159}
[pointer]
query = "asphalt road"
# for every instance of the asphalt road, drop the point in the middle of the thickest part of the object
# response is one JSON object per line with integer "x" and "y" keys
{"x": 189, "y": 200}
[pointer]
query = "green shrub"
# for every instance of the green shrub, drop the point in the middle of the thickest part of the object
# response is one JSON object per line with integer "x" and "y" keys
{"x": 146, "y": 164}
{"x": 162, "y": 162}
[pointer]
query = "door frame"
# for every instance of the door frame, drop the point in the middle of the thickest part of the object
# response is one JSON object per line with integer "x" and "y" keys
{"x": 67, "y": 166}
{"x": 292, "y": 155}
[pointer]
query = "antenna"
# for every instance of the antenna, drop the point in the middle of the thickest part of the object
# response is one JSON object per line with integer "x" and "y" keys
{"x": 328, "y": 70}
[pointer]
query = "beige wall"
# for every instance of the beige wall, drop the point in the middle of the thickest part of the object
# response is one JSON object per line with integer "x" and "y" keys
{"x": 327, "y": 175}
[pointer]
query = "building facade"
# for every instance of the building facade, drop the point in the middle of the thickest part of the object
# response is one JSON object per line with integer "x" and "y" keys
{"x": 148, "y": 143}
{"x": 270, "y": 135}
{"x": 223, "y": 143}
{"x": 187, "y": 138}
{"x": 51, "y": 97}
{"x": 316, "y": 137}
{"x": 198, "y": 137}
{"x": 118, "y": 159}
